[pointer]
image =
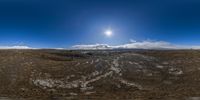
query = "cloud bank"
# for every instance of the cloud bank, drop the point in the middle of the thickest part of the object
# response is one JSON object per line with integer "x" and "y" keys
{"x": 15, "y": 47}
{"x": 136, "y": 45}
{"x": 93, "y": 46}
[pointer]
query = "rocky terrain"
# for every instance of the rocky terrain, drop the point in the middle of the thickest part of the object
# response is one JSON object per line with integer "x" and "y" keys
{"x": 97, "y": 75}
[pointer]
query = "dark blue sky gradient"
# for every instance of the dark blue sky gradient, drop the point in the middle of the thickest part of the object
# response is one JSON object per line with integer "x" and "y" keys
{"x": 63, "y": 23}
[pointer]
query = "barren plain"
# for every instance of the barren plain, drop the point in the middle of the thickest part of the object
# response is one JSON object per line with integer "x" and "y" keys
{"x": 99, "y": 74}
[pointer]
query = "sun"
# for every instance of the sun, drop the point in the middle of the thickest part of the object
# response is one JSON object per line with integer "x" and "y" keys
{"x": 108, "y": 33}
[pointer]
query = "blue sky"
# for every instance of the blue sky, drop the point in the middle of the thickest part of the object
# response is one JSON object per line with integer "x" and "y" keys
{"x": 64, "y": 23}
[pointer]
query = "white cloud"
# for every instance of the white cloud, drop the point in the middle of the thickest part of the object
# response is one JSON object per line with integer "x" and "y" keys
{"x": 92, "y": 46}
{"x": 137, "y": 45}
{"x": 148, "y": 45}
{"x": 15, "y": 47}
{"x": 132, "y": 41}
{"x": 195, "y": 47}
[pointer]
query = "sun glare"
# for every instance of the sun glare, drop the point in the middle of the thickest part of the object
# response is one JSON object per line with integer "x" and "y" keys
{"x": 108, "y": 33}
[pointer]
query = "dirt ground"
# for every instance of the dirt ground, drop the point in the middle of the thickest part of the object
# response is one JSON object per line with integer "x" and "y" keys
{"x": 97, "y": 75}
